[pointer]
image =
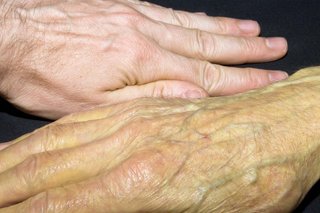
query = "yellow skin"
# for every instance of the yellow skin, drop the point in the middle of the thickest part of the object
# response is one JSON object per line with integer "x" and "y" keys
{"x": 253, "y": 152}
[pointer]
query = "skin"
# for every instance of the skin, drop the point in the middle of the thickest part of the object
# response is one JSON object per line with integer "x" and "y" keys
{"x": 59, "y": 57}
{"x": 253, "y": 152}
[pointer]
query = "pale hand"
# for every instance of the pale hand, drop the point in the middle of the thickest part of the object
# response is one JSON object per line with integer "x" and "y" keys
{"x": 59, "y": 57}
{"x": 255, "y": 152}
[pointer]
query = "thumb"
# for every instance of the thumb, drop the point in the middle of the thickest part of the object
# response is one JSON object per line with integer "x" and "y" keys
{"x": 158, "y": 89}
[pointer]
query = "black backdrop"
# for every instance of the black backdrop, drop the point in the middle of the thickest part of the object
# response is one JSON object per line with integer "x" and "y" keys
{"x": 297, "y": 20}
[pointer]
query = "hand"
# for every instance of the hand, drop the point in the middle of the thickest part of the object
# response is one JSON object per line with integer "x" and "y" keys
{"x": 67, "y": 56}
{"x": 255, "y": 152}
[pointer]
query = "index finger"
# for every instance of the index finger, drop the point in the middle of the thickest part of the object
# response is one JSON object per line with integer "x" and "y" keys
{"x": 54, "y": 137}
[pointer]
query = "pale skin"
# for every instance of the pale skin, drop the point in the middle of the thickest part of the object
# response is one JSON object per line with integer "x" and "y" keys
{"x": 59, "y": 57}
{"x": 253, "y": 152}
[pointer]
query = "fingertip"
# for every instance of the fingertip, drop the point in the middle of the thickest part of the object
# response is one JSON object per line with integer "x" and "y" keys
{"x": 194, "y": 94}
{"x": 275, "y": 76}
{"x": 249, "y": 27}
{"x": 201, "y": 13}
{"x": 278, "y": 44}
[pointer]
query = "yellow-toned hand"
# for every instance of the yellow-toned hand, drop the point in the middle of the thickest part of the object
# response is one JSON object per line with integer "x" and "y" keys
{"x": 254, "y": 152}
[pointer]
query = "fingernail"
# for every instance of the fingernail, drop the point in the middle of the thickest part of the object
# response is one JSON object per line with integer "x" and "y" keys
{"x": 248, "y": 26}
{"x": 201, "y": 13}
{"x": 193, "y": 94}
{"x": 275, "y": 76}
{"x": 276, "y": 43}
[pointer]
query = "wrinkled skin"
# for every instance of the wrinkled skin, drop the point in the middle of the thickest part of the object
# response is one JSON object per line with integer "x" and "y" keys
{"x": 254, "y": 152}
{"x": 59, "y": 57}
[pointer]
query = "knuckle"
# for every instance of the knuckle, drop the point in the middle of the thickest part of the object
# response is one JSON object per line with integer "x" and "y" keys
{"x": 183, "y": 18}
{"x": 220, "y": 80}
{"x": 142, "y": 50}
{"x": 221, "y": 25}
{"x": 210, "y": 77}
{"x": 249, "y": 47}
{"x": 158, "y": 90}
{"x": 255, "y": 79}
{"x": 27, "y": 172}
{"x": 205, "y": 46}
{"x": 180, "y": 18}
{"x": 133, "y": 19}
{"x": 245, "y": 44}
{"x": 135, "y": 168}
{"x": 127, "y": 16}
{"x": 40, "y": 203}
{"x": 52, "y": 137}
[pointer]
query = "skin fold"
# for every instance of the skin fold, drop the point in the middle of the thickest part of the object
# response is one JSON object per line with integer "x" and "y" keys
{"x": 59, "y": 57}
{"x": 253, "y": 152}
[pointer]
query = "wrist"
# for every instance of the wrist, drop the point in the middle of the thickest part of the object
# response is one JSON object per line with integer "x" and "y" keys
{"x": 298, "y": 101}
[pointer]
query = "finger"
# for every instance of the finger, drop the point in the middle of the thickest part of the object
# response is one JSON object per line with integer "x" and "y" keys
{"x": 56, "y": 168}
{"x": 47, "y": 170}
{"x": 156, "y": 64}
{"x": 55, "y": 137}
{"x": 67, "y": 135}
{"x": 219, "y": 25}
{"x": 231, "y": 80}
{"x": 216, "y": 48}
{"x": 107, "y": 190}
{"x": 159, "y": 89}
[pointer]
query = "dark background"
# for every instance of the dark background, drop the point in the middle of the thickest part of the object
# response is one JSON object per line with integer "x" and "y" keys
{"x": 297, "y": 20}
